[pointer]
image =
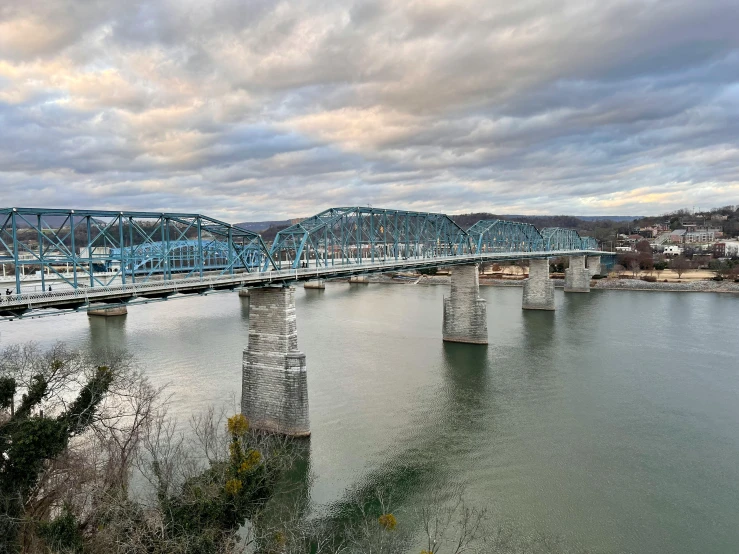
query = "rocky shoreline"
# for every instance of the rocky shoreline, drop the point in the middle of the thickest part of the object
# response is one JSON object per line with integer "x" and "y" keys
{"x": 603, "y": 284}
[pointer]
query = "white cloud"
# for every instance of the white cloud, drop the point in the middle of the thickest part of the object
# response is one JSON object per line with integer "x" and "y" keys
{"x": 269, "y": 109}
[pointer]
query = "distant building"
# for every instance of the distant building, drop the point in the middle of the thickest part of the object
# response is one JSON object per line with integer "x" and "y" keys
{"x": 677, "y": 236}
{"x": 672, "y": 250}
{"x": 730, "y": 248}
{"x": 693, "y": 234}
{"x": 719, "y": 250}
{"x": 702, "y": 234}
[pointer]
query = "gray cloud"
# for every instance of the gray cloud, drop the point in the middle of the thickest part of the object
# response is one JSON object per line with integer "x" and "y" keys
{"x": 265, "y": 109}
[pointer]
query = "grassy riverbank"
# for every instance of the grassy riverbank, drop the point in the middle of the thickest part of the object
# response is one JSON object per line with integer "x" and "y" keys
{"x": 610, "y": 283}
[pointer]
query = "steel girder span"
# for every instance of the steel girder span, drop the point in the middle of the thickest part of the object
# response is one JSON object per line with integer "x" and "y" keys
{"x": 589, "y": 243}
{"x": 94, "y": 248}
{"x": 497, "y": 235}
{"x": 186, "y": 255}
{"x": 556, "y": 238}
{"x": 355, "y": 235}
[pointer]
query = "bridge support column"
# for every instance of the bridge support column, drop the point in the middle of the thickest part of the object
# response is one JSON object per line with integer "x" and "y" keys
{"x": 577, "y": 276}
{"x": 594, "y": 265}
{"x": 108, "y": 312}
{"x": 465, "y": 313}
{"x": 359, "y": 279}
{"x": 538, "y": 289}
{"x": 244, "y": 293}
{"x": 315, "y": 284}
{"x": 274, "y": 393}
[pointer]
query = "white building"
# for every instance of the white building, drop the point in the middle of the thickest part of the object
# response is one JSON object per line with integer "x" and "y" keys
{"x": 732, "y": 248}
{"x": 672, "y": 250}
{"x": 700, "y": 235}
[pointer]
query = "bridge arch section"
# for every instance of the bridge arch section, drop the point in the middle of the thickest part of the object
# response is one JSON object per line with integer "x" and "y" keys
{"x": 361, "y": 235}
{"x": 498, "y": 235}
{"x": 557, "y": 238}
{"x": 101, "y": 248}
{"x": 589, "y": 243}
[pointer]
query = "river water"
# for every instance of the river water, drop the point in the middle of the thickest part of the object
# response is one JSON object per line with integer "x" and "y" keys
{"x": 611, "y": 424}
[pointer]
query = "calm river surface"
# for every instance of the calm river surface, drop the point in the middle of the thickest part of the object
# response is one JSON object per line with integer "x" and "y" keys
{"x": 612, "y": 423}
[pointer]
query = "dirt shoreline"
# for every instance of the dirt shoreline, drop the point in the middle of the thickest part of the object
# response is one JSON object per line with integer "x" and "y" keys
{"x": 596, "y": 284}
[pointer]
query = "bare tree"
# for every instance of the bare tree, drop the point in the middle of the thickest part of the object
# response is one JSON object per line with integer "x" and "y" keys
{"x": 680, "y": 265}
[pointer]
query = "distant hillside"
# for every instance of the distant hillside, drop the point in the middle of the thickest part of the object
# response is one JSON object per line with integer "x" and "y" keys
{"x": 609, "y": 217}
{"x": 259, "y": 226}
{"x": 53, "y": 221}
{"x": 569, "y": 221}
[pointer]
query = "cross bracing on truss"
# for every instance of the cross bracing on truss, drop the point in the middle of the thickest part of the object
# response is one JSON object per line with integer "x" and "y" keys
{"x": 498, "y": 235}
{"x": 353, "y": 235}
{"x": 93, "y": 249}
{"x": 89, "y": 248}
{"x": 185, "y": 256}
{"x": 556, "y": 238}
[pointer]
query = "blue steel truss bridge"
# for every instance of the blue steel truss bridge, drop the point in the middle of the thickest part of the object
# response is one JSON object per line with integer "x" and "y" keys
{"x": 62, "y": 260}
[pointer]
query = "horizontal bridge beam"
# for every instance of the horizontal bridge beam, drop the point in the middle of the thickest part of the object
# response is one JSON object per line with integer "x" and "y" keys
{"x": 29, "y": 304}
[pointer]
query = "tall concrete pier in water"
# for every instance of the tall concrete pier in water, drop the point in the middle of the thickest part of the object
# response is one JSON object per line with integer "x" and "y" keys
{"x": 465, "y": 313}
{"x": 538, "y": 289}
{"x": 275, "y": 387}
{"x": 577, "y": 276}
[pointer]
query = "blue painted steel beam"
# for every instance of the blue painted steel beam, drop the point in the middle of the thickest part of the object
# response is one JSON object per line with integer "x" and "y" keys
{"x": 101, "y": 248}
{"x": 349, "y": 235}
{"x": 94, "y": 248}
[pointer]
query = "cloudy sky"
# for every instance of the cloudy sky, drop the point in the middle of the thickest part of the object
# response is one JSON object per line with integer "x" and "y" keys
{"x": 257, "y": 109}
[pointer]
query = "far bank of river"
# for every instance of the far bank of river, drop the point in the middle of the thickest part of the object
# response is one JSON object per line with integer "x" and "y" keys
{"x": 603, "y": 284}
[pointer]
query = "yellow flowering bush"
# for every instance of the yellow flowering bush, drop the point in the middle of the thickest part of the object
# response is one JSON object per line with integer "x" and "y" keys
{"x": 388, "y": 521}
{"x": 252, "y": 460}
{"x": 238, "y": 425}
{"x": 233, "y": 486}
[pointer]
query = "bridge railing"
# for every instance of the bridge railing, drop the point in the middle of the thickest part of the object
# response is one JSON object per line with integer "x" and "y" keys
{"x": 99, "y": 293}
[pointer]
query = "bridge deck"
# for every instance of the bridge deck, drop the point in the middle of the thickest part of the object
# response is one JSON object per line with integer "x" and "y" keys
{"x": 18, "y": 305}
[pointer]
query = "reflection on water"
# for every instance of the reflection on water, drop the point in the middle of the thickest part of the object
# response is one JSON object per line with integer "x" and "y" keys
{"x": 610, "y": 423}
{"x": 107, "y": 331}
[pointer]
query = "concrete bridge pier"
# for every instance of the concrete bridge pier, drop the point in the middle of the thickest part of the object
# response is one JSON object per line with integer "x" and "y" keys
{"x": 102, "y": 311}
{"x": 359, "y": 279}
{"x": 315, "y": 284}
{"x": 465, "y": 313}
{"x": 538, "y": 289}
{"x": 594, "y": 265}
{"x": 274, "y": 395}
{"x": 577, "y": 276}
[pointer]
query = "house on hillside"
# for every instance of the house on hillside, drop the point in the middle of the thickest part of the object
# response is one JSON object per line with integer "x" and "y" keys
{"x": 678, "y": 236}
{"x": 702, "y": 234}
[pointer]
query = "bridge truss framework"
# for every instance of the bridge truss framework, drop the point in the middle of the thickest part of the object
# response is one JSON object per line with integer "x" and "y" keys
{"x": 98, "y": 248}
{"x": 115, "y": 257}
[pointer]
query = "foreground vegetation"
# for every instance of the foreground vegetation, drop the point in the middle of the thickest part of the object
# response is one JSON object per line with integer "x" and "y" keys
{"x": 91, "y": 462}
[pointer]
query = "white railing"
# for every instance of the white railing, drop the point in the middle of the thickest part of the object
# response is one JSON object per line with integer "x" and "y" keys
{"x": 92, "y": 294}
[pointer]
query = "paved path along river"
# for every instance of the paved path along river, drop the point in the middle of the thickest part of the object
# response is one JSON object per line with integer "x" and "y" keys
{"x": 612, "y": 423}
